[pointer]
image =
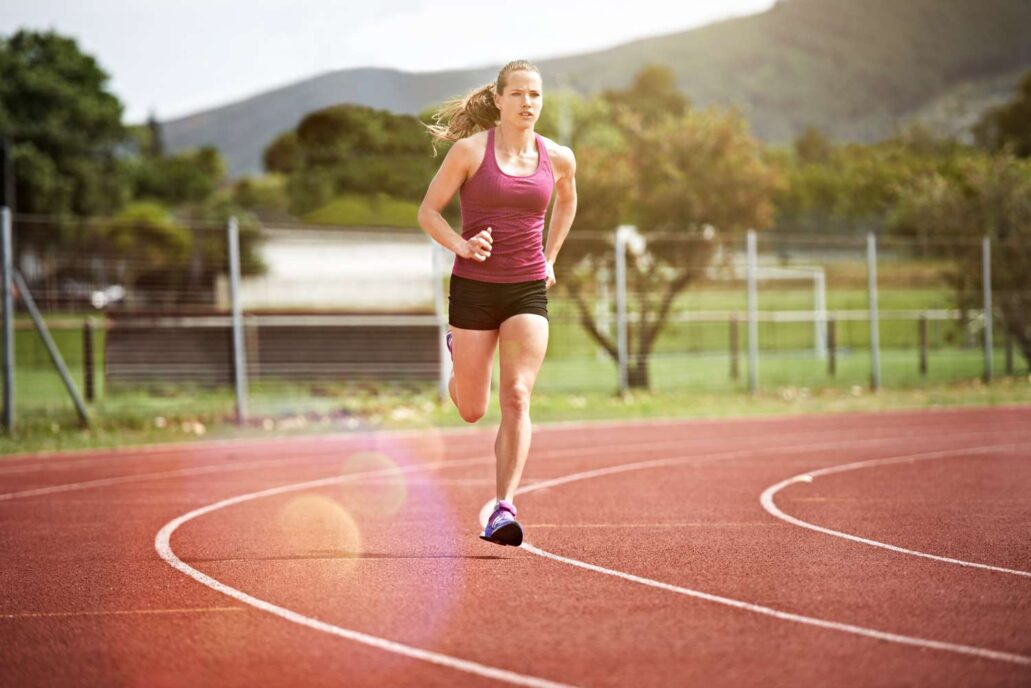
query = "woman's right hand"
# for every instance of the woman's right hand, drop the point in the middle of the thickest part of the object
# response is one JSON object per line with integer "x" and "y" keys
{"x": 478, "y": 247}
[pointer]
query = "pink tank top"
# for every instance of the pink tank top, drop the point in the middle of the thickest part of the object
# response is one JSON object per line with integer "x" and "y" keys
{"x": 514, "y": 208}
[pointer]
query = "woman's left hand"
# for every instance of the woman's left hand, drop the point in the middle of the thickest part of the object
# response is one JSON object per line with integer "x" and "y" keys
{"x": 550, "y": 280}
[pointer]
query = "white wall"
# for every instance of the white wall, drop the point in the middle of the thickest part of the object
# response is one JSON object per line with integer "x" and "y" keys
{"x": 340, "y": 270}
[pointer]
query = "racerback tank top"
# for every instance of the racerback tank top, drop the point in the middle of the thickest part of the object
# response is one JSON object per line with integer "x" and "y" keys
{"x": 514, "y": 208}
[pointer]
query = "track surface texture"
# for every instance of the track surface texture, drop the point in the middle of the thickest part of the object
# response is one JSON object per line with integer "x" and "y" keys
{"x": 879, "y": 549}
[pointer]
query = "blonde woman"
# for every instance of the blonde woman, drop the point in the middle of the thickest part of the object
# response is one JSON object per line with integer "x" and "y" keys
{"x": 505, "y": 174}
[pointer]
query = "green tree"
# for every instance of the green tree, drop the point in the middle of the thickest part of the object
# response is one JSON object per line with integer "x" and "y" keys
{"x": 686, "y": 179}
{"x": 990, "y": 197}
{"x": 155, "y": 139}
{"x": 1008, "y": 127}
{"x": 188, "y": 177}
{"x": 150, "y": 248}
{"x": 65, "y": 125}
{"x": 352, "y": 149}
{"x": 813, "y": 146}
{"x": 856, "y": 187}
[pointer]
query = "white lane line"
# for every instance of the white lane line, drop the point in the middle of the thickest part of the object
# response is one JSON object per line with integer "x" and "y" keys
{"x": 652, "y": 526}
{"x": 142, "y": 477}
{"x": 164, "y": 549}
{"x": 103, "y": 456}
{"x": 767, "y": 500}
{"x": 47, "y": 461}
{"x": 572, "y": 452}
{"x": 984, "y": 653}
{"x": 788, "y": 616}
{"x": 122, "y": 612}
{"x": 765, "y": 449}
{"x": 218, "y": 468}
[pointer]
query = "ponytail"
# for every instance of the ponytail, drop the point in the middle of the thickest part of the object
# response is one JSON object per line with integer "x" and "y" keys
{"x": 463, "y": 117}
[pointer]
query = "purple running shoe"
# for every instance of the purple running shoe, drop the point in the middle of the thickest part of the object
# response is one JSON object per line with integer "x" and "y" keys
{"x": 449, "y": 339}
{"x": 502, "y": 527}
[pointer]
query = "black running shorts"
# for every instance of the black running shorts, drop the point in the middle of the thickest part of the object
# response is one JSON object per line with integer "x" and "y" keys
{"x": 477, "y": 305}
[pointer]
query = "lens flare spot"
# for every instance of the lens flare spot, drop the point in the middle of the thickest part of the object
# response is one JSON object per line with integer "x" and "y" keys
{"x": 319, "y": 525}
{"x": 380, "y": 493}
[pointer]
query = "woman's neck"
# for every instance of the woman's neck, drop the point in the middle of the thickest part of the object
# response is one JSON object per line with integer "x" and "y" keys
{"x": 515, "y": 140}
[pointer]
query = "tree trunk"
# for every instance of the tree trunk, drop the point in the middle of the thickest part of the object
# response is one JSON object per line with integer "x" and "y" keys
{"x": 637, "y": 374}
{"x": 1013, "y": 321}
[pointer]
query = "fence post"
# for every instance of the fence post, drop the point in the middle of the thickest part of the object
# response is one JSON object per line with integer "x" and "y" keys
{"x": 239, "y": 355}
{"x": 832, "y": 346}
{"x": 440, "y": 311}
{"x": 820, "y": 306}
{"x": 7, "y": 260}
{"x": 751, "y": 268}
{"x": 623, "y": 233}
{"x": 87, "y": 360}
{"x": 986, "y": 274}
{"x": 1009, "y": 352}
{"x": 875, "y": 337}
{"x": 734, "y": 372}
{"x": 922, "y": 337}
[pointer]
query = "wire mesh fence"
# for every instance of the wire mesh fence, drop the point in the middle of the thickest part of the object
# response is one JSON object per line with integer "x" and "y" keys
{"x": 141, "y": 315}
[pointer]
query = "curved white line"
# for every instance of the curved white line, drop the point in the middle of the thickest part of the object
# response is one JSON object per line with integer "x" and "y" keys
{"x": 718, "y": 456}
{"x": 788, "y": 616}
{"x": 164, "y": 549}
{"x": 984, "y": 653}
{"x": 767, "y": 500}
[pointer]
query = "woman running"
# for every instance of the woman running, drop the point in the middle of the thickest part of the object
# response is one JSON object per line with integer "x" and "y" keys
{"x": 505, "y": 174}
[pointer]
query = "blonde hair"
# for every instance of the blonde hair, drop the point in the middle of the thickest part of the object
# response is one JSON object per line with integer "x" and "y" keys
{"x": 463, "y": 117}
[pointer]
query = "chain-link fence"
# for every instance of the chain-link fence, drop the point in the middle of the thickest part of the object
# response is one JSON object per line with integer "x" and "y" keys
{"x": 141, "y": 315}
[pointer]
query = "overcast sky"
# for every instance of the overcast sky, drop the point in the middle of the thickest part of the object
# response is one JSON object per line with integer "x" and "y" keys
{"x": 175, "y": 57}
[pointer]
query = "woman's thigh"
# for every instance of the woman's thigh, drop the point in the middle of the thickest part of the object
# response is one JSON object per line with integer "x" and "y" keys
{"x": 473, "y": 352}
{"x": 523, "y": 343}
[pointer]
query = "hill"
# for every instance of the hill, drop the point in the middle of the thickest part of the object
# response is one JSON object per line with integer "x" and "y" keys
{"x": 854, "y": 69}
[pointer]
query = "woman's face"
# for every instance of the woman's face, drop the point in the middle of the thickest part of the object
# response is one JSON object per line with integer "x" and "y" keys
{"x": 521, "y": 102}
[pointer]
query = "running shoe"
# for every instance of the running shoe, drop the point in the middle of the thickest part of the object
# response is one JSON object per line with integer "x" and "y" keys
{"x": 502, "y": 527}
{"x": 448, "y": 339}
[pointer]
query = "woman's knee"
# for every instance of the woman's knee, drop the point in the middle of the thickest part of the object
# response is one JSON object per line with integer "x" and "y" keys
{"x": 515, "y": 398}
{"x": 471, "y": 413}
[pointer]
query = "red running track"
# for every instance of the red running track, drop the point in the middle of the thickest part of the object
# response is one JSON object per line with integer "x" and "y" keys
{"x": 854, "y": 550}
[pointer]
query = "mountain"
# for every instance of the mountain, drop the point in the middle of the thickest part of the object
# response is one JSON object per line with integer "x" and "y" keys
{"x": 856, "y": 70}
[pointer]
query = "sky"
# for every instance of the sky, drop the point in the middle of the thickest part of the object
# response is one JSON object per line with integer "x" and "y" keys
{"x": 176, "y": 57}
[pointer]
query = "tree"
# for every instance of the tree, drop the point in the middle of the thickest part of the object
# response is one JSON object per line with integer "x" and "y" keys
{"x": 856, "y": 187}
{"x": 151, "y": 250}
{"x": 156, "y": 139}
{"x": 687, "y": 179}
{"x": 187, "y": 177}
{"x": 65, "y": 125}
{"x": 813, "y": 146}
{"x": 1008, "y": 127}
{"x": 991, "y": 197}
{"x": 350, "y": 148}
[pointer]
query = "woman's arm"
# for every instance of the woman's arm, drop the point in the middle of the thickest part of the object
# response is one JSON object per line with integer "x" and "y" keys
{"x": 565, "y": 207}
{"x": 442, "y": 189}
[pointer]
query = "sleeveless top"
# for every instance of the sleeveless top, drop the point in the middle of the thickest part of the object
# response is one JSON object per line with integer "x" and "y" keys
{"x": 514, "y": 208}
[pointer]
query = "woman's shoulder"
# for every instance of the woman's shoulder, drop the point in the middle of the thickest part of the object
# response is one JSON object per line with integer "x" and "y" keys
{"x": 469, "y": 151}
{"x": 477, "y": 141}
{"x": 562, "y": 158}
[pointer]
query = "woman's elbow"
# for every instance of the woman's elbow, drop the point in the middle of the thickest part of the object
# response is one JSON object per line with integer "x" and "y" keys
{"x": 425, "y": 215}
